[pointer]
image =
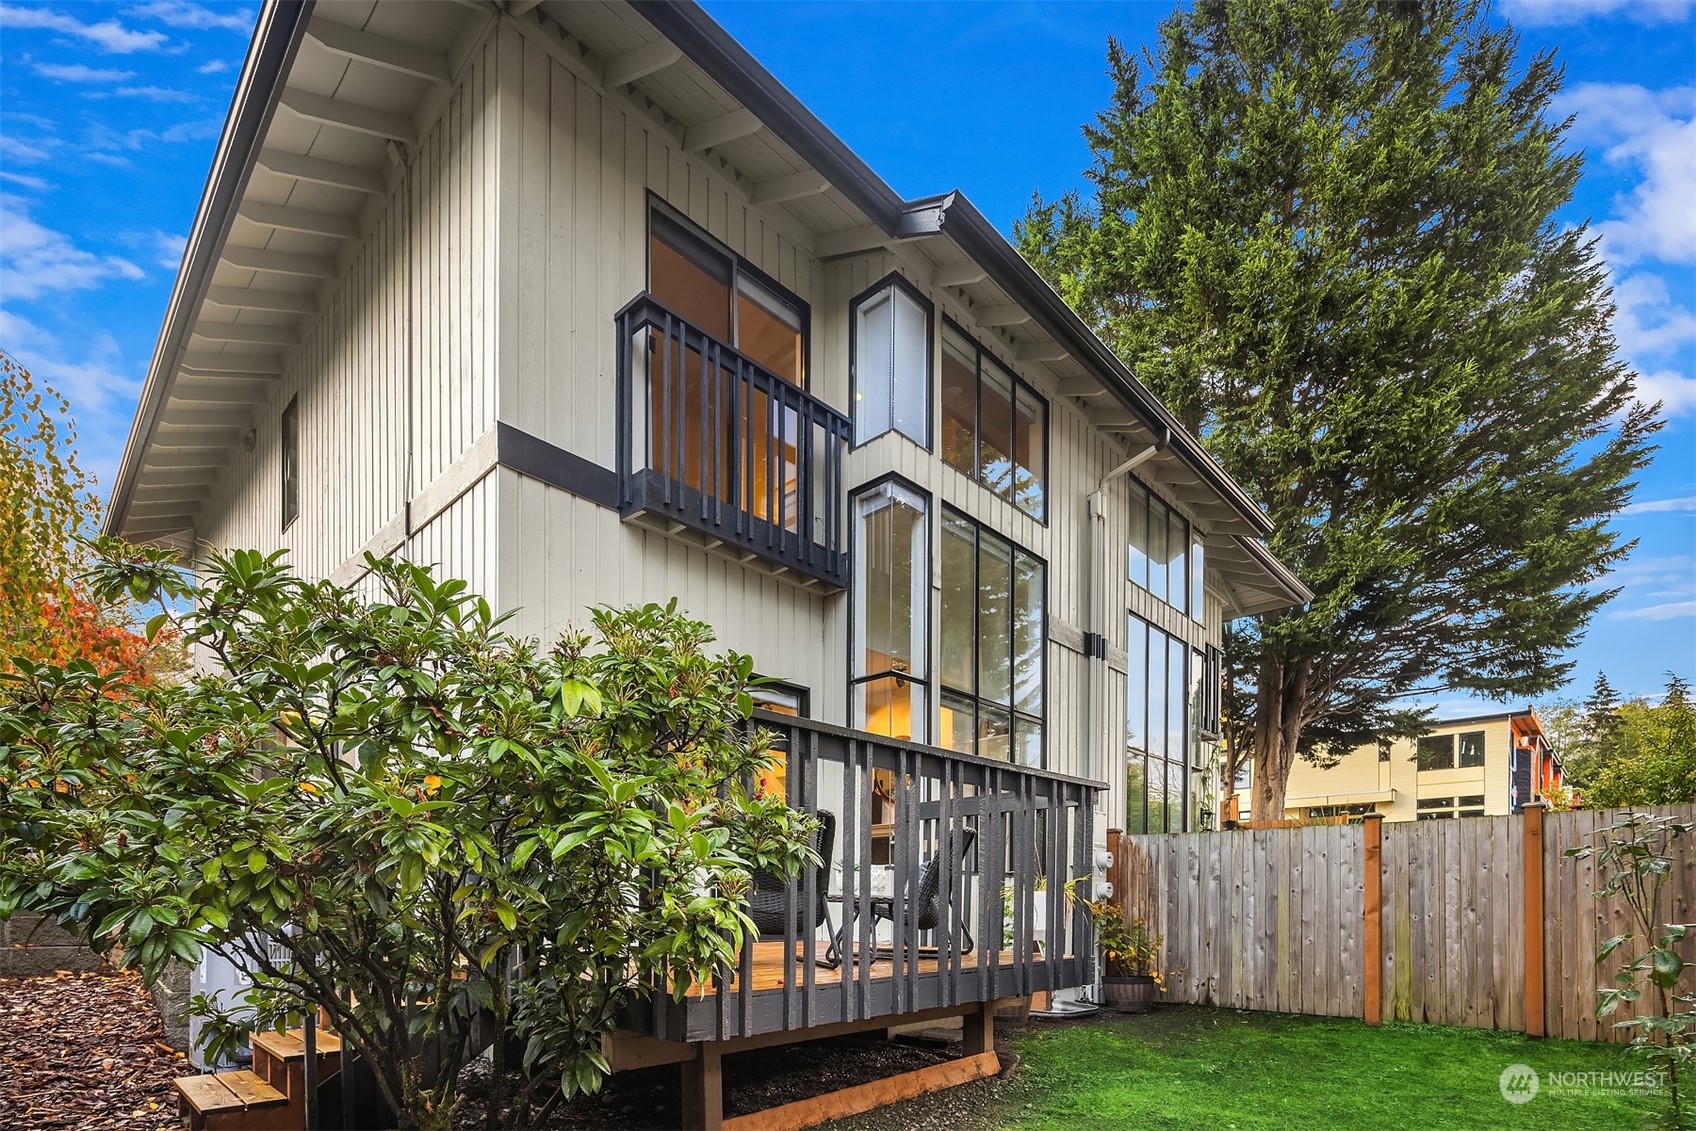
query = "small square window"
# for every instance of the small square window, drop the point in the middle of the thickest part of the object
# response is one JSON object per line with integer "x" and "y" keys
{"x": 1472, "y": 748}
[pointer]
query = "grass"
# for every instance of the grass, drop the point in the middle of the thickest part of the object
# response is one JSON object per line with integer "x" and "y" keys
{"x": 1184, "y": 1068}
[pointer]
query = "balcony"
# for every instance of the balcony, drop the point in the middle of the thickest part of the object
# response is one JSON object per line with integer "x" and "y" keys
{"x": 714, "y": 447}
{"x": 942, "y": 887}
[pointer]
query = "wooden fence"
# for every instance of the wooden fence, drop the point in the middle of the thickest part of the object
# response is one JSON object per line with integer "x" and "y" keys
{"x": 1452, "y": 922}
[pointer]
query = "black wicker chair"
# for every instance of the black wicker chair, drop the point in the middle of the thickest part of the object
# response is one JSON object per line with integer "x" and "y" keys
{"x": 925, "y": 902}
{"x": 769, "y": 892}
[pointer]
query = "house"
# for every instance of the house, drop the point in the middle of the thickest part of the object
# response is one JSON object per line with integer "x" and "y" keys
{"x": 1484, "y": 765}
{"x": 576, "y": 301}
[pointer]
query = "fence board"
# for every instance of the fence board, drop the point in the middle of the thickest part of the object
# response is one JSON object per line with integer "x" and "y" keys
{"x": 1273, "y": 918}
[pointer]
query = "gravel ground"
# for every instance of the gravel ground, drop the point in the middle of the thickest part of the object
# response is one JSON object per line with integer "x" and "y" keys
{"x": 84, "y": 1051}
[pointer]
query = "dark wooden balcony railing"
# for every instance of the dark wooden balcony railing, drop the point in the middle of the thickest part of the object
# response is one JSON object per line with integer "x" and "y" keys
{"x": 710, "y": 440}
{"x": 1003, "y": 927}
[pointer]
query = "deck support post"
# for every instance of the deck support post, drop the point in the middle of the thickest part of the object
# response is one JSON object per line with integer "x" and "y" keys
{"x": 979, "y": 1029}
{"x": 703, "y": 1089}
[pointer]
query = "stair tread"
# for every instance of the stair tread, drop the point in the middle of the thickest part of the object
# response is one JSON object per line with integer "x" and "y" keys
{"x": 226, "y": 1090}
{"x": 291, "y": 1045}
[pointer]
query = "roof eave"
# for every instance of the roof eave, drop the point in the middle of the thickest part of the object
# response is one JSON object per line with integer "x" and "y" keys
{"x": 276, "y": 40}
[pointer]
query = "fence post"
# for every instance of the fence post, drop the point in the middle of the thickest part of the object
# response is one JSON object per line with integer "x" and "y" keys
{"x": 1532, "y": 815}
{"x": 1372, "y": 953}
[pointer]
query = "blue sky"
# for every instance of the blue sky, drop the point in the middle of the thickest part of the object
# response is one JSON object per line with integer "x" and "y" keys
{"x": 109, "y": 113}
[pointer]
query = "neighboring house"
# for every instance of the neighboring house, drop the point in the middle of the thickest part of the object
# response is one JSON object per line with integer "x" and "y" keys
{"x": 577, "y": 302}
{"x": 1487, "y": 765}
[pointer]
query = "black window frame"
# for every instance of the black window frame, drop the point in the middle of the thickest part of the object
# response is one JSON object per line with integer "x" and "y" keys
{"x": 289, "y": 439}
{"x": 1482, "y": 748}
{"x": 1014, "y": 714}
{"x": 1019, "y": 382}
{"x": 668, "y": 216}
{"x": 1194, "y": 568}
{"x": 1419, "y": 755}
{"x": 1145, "y": 754}
{"x": 1212, "y": 692}
{"x": 930, "y": 646}
{"x": 900, "y": 282}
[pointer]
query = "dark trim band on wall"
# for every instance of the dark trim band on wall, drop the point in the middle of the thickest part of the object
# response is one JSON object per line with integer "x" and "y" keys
{"x": 547, "y": 463}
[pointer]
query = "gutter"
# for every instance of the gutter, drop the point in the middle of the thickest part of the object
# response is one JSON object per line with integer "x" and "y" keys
{"x": 276, "y": 40}
{"x": 728, "y": 63}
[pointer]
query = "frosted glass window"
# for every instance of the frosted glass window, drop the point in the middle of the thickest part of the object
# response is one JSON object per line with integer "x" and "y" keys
{"x": 891, "y": 365}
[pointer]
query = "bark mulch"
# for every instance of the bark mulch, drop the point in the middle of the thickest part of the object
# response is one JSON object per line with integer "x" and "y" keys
{"x": 85, "y": 1051}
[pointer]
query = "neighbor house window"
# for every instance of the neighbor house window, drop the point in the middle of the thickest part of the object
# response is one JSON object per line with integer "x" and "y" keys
{"x": 1156, "y": 721}
{"x": 1435, "y": 808}
{"x": 1471, "y": 805}
{"x": 994, "y": 426}
{"x": 1472, "y": 749}
{"x": 291, "y": 461}
{"x": 993, "y": 639}
{"x": 1437, "y": 752}
{"x": 1163, "y": 553}
{"x": 891, "y": 364}
{"x": 891, "y": 611}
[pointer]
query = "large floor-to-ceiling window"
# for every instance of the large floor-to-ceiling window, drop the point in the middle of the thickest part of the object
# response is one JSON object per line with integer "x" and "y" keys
{"x": 1157, "y": 730}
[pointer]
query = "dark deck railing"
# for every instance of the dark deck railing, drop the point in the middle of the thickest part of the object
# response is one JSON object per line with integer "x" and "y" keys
{"x": 711, "y": 440}
{"x": 1032, "y": 831}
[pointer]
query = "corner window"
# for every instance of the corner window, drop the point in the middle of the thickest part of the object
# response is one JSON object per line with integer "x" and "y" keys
{"x": 1471, "y": 750}
{"x": 291, "y": 461}
{"x": 994, "y": 426}
{"x": 1162, "y": 553}
{"x": 1437, "y": 752}
{"x": 891, "y": 362}
{"x": 993, "y": 641}
{"x": 891, "y": 611}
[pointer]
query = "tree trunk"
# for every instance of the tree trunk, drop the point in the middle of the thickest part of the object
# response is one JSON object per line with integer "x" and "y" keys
{"x": 1277, "y": 731}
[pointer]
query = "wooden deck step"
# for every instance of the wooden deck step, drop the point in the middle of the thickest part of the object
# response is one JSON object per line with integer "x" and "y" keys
{"x": 280, "y": 1060}
{"x": 233, "y": 1101}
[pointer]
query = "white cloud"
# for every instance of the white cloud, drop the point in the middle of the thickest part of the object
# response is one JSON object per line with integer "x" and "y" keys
{"x": 79, "y": 72}
{"x": 35, "y": 260}
{"x": 94, "y": 380}
{"x": 1672, "y": 610}
{"x": 214, "y": 67}
{"x": 155, "y": 94}
{"x": 1663, "y": 506}
{"x": 1675, "y": 392}
{"x": 110, "y": 34}
{"x": 166, "y": 248}
{"x": 1655, "y": 332}
{"x": 20, "y": 150}
{"x": 24, "y": 179}
{"x": 1653, "y": 132}
{"x": 181, "y": 13}
{"x": 1546, "y": 12}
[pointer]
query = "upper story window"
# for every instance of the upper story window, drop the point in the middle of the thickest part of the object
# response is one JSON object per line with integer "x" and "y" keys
{"x": 994, "y": 426}
{"x": 891, "y": 362}
{"x": 1438, "y": 751}
{"x": 1166, "y": 554}
{"x": 291, "y": 461}
{"x": 891, "y": 611}
{"x": 723, "y": 295}
{"x": 993, "y": 663}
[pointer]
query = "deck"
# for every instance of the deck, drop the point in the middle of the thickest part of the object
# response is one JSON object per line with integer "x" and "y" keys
{"x": 927, "y": 852}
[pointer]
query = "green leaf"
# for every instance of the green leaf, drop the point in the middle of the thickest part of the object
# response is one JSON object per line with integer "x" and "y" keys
{"x": 256, "y": 861}
{"x": 508, "y": 916}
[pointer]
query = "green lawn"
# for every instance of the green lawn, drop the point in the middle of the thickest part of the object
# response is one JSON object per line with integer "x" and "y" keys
{"x": 1191, "y": 1068}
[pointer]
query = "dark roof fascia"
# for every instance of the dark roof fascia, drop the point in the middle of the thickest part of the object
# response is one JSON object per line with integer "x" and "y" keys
{"x": 276, "y": 40}
{"x": 742, "y": 76}
{"x": 1282, "y": 573}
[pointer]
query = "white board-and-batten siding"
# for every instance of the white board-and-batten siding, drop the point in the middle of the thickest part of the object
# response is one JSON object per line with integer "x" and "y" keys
{"x": 395, "y": 374}
{"x": 485, "y": 289}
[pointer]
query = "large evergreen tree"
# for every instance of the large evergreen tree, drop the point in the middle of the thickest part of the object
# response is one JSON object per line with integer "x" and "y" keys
{"x": 1325, "y": 233}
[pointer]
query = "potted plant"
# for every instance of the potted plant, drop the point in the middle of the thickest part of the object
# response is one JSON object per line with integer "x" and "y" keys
{"x": 1130, "y": 976}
